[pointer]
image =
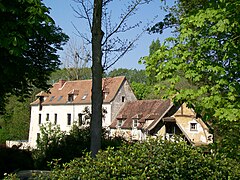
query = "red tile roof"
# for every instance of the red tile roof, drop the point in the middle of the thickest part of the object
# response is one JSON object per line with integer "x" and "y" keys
{"x": 143, "y": 110}
{"x": 82, "y": 89}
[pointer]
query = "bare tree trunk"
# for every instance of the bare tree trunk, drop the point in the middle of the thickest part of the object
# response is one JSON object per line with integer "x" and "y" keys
{"x": 97, "y": 71}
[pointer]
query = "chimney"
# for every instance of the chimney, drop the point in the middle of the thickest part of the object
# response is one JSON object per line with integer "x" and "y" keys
{"x": 61, "y": 83}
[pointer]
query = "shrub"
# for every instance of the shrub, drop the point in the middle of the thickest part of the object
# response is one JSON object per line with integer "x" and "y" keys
{"x": 48, "y": 145}
{"x": 55, "y": 144}
{"x": 154, "y": 159}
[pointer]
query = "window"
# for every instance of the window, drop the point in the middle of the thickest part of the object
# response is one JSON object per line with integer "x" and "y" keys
{"x": 41, "y": 99}
{"x": 80, "y": 119}
{"x": 68, "y": 119}
{"x": 120, "y": 122}
{"x": 55, "y": 119}
{"x": 39, "y": 119}
{"x": 51, "y": 98}
{"x": 38, "y": 136}
{"x": 135, "y": 123}
{"x": 105, "y": 94}
{"x": 193, "y": 126}
{"x": 70, "y": 98}
{"x": 47, "y": 117}
{"x": 84, "y": 96}
{"x": 60, "y": 97}
{"x": 123, "y": 98}
{"x": 170, "y": 128}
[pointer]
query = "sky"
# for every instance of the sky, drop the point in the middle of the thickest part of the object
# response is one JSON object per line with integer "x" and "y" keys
{"x": 64, "y": 16}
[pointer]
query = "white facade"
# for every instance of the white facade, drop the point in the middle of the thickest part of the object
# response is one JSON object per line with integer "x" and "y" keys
{"x": 59, "y": 115}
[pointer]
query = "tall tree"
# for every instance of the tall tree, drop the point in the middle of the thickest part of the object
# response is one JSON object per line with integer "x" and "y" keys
{"x": 207, "y": 50}
{"x": 103, "y": 44}
{"x": 29, "y": 41}
{"x": 97, "y": 72}
{"x": 76, "y": 61}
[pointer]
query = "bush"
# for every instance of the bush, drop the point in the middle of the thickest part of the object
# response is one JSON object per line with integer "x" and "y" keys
{"x": 57, "y": 145}
{"x": 154, "y": 159}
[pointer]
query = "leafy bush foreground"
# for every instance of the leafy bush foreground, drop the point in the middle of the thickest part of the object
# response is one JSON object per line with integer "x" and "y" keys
{"x": 56, "y": 144}
{"x": 154, "y": 159}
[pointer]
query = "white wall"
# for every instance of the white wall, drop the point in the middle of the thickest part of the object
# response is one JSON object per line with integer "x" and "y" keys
{"x": 61, "y": 111}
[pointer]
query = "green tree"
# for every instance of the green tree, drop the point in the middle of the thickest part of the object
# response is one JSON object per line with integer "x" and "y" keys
{"x": 154, "y": 46}
{"x": 76, "y": 61}
{"x": 151, "y": 79}
{"x": 132, "y": 75}
{"x": 29, "y": 41}
{"x": 15, "y": 121}
{"x": 206, "y": 51}
{"x": 141, "y": 90}
{"x": 84, "y": 73}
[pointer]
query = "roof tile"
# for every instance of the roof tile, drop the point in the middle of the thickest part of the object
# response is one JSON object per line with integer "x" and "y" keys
{"x": 142, "y": 110}
{"x": 83, "y": 90}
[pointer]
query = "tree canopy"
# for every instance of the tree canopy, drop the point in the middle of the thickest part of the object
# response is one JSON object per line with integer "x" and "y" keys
{"x": 29, "y": 41}
{"x": 206, "y": 50}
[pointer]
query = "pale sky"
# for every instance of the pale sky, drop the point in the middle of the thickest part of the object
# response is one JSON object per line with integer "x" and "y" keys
{"x": 64, "y": 16}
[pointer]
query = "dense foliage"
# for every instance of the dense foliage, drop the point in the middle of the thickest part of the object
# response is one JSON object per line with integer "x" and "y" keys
{"x": 29, "y": 41}
{"x": 15, "y": 122}
{"x": 205, "y": 53}
{"x": 55, "y": 144}
{"x": 154, "y": 159}
{"x": 206, "y": 50}
{"x": 71, "y": 74}
{"x": 132, "y": 75}
{"x": 138, "y": 80}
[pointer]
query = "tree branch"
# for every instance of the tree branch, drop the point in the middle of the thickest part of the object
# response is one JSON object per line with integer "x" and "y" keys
{"x": 131, "y": 9}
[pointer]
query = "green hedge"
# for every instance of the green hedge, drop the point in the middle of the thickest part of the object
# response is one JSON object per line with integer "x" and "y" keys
{"x": 154, "y": 159}
{"x": 55, "y": 144}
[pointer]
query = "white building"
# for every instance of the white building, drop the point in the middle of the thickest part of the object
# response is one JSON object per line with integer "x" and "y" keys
{"x": 67, "y": 101}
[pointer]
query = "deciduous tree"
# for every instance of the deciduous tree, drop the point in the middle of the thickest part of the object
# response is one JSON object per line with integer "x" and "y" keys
{"x": 29, "y": 40}
{"x": 104, "y": 41}
{"x": 77, "y": 61}
{"x": 206, "y": 50}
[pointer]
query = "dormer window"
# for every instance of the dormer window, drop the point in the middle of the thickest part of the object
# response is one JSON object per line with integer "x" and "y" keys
{"x": 41, "y": 99}
{"x": 72, "y": 95}
{"x": 70, "y": 98}
{"x": 120, "y": 122}
{"x": 51, "y": 98}
{"x": 84, "y": 96}
{"x": 59, "y": 98}
{"x": 105, "y": 93}
{"x": 135, "y": 123}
